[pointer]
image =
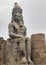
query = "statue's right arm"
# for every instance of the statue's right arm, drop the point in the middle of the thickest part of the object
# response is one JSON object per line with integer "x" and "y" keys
{"x": 10, "y": 27}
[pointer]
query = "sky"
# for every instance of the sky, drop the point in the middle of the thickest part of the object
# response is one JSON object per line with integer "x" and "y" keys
{"x": 34, "y": 15}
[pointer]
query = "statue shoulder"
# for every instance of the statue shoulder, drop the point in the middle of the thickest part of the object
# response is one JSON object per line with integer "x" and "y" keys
{"x": 10, "y": 24}
{"x": 24, "y": 27}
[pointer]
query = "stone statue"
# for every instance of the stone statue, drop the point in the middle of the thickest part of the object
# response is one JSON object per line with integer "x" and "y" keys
{"x": 17, "y": 34}
{"x": 17, "y": 31}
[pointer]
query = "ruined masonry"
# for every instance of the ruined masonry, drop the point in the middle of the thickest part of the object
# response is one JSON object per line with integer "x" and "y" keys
{"x": 19, "y": 49}
{"x": 2, "y": 51}
{"x": 38, "y": 50}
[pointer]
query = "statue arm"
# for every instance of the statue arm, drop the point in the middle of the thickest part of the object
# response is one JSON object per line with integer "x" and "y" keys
{"x": 25, "y": 32}
{"x": 11, "y": 32}
{"x": 15, "y": 25}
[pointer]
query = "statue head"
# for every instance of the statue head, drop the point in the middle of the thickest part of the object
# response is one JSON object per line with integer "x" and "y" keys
{"x": 17, "y": 14}
{"x": 17, "y": 11}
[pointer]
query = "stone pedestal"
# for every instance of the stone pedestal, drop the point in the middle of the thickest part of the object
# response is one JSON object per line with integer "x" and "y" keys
{"x": 13, "y": 48}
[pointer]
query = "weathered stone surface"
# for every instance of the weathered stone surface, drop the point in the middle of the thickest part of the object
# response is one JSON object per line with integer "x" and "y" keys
{"x": 38, "y": 46}
{"x": 28, "y": 48}
{"x": 39, "y": 36}
{"x": 38, "y": 41}
{"x": 17, "y": 14}
{"x": 37, "y": 56}
{"x": 2, "y": 50}
{"x": 15, "y": 31}
{"x": 17, "y": 34}
{"x": 20, "y": 49}
{"x": 13, "y": 49}
{"x": 9, "y": 53}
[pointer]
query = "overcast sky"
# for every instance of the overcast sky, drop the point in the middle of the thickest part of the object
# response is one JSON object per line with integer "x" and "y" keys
{"x": 34, "y": 15}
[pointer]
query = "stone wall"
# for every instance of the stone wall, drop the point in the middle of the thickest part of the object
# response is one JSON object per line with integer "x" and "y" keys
{"x": 2, "y": 50}
{"x": 38, "y": 48}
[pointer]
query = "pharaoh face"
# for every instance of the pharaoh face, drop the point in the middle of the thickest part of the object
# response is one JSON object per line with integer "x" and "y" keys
{"x": 18, "y": 16}
{"x": 17, "y": 13}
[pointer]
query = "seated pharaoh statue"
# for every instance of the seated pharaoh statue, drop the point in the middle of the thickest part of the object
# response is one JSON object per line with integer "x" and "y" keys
{"x": 17, "y": 30}
{"x": 17, "y": 33}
